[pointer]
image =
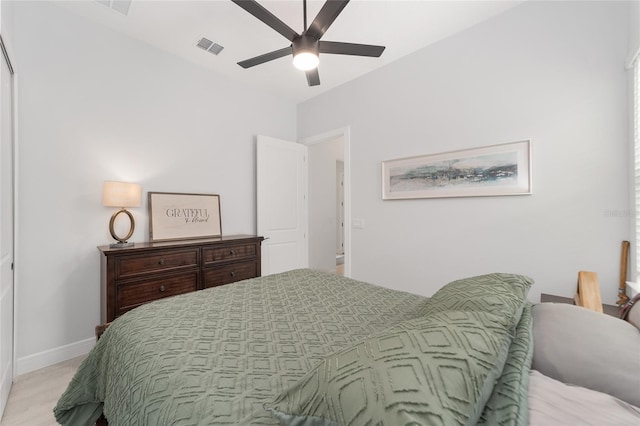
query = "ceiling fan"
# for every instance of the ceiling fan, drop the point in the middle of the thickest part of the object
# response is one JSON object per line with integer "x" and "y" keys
{"x": 307, "y": 46}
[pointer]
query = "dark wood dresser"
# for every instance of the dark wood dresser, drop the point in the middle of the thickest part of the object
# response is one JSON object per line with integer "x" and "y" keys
{"x": 132, "y": 276}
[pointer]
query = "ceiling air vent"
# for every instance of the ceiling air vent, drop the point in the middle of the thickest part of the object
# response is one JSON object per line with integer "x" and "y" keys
{"x": 209, "y": 46}
{"x": 121, "y": 6}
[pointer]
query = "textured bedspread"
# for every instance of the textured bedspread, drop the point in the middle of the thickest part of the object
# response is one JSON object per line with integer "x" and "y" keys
{"x": 215, "y": 357}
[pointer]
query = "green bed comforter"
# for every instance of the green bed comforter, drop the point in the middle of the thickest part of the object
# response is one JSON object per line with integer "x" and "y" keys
{"x": 219, "y": 356}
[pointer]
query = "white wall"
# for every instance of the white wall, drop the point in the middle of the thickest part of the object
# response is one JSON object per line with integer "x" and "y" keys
{"x": 322, "y": 202}
{"x": 634, "y": 31}
{"x": 552, "y": 72}
{"x": 6, "y": 24}
{"x": 94, "y": 106}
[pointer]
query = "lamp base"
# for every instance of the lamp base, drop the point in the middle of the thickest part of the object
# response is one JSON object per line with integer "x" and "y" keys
{"x": 121, "y": 245}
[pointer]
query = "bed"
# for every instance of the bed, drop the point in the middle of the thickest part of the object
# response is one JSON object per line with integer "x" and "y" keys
{"x": 310, "y": 348}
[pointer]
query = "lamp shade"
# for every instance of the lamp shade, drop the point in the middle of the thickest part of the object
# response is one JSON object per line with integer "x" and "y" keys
{"x": 121, "y": 194}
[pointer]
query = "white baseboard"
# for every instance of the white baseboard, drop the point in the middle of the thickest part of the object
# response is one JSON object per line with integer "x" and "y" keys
{"x": 53, "y": 356}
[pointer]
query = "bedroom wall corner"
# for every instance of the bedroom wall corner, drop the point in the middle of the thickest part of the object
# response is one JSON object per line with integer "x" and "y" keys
{"x": 97, "y": 105}
{"x": 552, "y": 72}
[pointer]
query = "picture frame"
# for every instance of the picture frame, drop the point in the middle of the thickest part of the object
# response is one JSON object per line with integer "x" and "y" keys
{"x": 495, "y": 170}
{"x": 183, "y": 216}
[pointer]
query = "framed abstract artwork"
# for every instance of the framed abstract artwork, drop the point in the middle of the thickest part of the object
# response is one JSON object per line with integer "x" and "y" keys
{"x": 494, "y": 170}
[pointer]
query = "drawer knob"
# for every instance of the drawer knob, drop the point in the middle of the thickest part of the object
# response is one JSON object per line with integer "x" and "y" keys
{"x": 233, "y": 274}
{"x": 232, "y": 252}
{"x": 161, "y": 288}
{"x": 161, "y": 262}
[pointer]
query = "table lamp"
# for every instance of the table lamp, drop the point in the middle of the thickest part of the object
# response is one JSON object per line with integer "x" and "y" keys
{"x": 122, "y": 195}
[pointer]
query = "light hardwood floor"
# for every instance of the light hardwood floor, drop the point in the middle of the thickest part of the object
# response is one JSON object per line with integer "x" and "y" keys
{"x": 34, "y": 395}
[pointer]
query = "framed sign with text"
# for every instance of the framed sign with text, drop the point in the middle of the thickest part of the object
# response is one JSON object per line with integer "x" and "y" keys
{"x": 176, "y": 216}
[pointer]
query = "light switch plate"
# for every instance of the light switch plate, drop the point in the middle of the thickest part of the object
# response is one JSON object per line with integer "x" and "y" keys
{"x": 357, "y": 223}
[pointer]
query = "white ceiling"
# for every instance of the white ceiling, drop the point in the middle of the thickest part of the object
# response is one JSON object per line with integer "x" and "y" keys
{"x": 402, "y": 26}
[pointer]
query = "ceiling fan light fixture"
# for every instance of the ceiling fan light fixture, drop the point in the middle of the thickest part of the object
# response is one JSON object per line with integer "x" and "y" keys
{"x": 306, "y": 60}
{"x": 306, "y": 46}
{"x": 305, "y": 53}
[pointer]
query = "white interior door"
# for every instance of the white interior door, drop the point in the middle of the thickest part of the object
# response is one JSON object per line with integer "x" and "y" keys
{"x": 6, "y": 230}
{"x": 282, "y": 204}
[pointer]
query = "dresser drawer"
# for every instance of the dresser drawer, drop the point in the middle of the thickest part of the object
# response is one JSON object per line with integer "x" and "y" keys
{"x": 230, "y": 273}
{"x": 234, "y": 252}
{"x": 137, "y": 293}
{"x": 131, "y": 266}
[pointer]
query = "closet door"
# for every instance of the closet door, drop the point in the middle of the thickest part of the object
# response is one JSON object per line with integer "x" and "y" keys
{"x": 6, "y": 227}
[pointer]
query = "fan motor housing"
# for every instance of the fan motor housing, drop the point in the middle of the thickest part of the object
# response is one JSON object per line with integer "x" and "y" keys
{"x": 304, "y": 43}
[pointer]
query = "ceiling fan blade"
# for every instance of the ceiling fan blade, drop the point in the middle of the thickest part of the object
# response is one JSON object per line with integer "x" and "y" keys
{"x": 254, "y": 8}
{"x": 325, "y": 18}
{"x": 313, "y": 78}
{"x": 355, "y": 49}
{"x": 248, "y": 63}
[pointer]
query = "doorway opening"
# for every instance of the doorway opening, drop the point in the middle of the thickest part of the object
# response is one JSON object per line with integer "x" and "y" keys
{"x": 340, "y": 217}
{"x": 329, "y": 202}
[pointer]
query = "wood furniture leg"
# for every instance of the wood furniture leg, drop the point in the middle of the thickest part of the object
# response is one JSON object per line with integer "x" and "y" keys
{"x": 100, "y": 329}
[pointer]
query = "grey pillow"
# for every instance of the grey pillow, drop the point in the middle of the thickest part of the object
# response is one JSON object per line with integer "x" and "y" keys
{"x": 586, "y": 348}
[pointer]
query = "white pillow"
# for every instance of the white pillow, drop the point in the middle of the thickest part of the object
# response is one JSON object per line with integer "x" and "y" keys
{"x": 554, "y": 403}
{"x": 586, "y": 348}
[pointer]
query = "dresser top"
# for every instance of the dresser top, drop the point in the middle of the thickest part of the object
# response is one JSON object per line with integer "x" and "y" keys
{"x": 180, "y": 243}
